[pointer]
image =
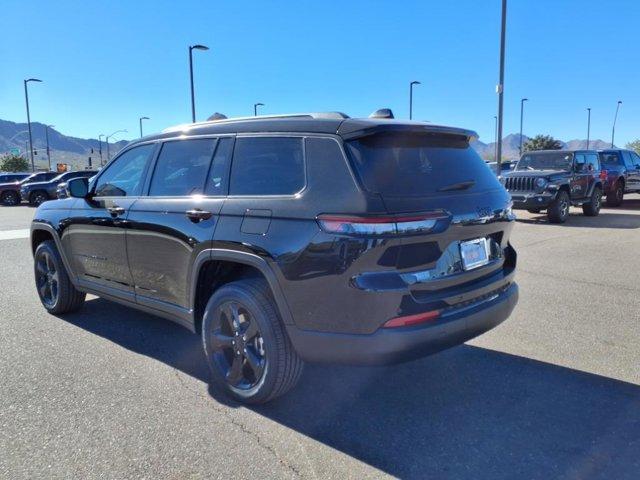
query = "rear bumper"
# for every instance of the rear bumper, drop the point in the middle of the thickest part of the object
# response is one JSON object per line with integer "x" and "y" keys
{"x": 387, "y": 346}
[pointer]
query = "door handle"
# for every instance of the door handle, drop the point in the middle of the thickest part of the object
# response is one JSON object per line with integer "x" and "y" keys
{"x": 196, "y": 215}
{"x": 115, "y": 211}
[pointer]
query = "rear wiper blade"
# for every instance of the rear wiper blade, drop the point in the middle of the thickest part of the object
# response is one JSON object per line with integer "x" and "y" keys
{"x": 457, "y": 186}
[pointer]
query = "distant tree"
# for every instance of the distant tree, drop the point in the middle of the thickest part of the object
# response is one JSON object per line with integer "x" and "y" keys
{"x": 541, "y": 142}
{"x": 635, "y": 145}
{"x": 13, "y": 163}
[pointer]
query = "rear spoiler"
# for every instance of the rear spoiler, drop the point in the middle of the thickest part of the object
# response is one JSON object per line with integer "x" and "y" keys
{"x": 350, "y": 129}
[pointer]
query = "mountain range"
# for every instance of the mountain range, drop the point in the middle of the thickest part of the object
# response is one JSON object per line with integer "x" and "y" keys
{"x": 511, "y": 146}
{"x": 77, "y": 151}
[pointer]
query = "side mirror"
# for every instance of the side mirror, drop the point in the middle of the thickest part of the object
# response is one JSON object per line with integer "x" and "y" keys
{"x": 78, "y": 187}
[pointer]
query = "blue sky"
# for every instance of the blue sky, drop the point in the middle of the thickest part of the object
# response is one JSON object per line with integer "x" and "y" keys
{"x": 104, "y": 64}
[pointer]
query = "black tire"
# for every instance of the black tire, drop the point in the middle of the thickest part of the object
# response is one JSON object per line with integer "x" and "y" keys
{"x": 10, "y": 198}
{"x": 56, "y": 292}
{"x": 558, "y": 210}
{"x": 615, "y": 195}
{"x": 38, "y": 197}
{"x": 256, "y": 321}
{"x": 534, "y": 210}
{"x": 592, "y": 207}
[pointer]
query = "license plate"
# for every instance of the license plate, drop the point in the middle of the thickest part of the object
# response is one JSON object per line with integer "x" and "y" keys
{"x": 474, "y": 253}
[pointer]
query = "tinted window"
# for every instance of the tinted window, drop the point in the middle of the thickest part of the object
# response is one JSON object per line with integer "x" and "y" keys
{"x": 409, "y": 164}
{"x": 124, "y": 177}
{"x": 636, "y": 159}
{"x": 267, "y": 166}
{"x": 610, "y": 158}
{"x": 182, "y": 167}
{"x": 219, "y": 174}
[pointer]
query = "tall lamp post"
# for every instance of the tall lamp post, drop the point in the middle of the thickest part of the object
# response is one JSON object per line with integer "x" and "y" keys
{"x": 107, "y": 141}
{"x": 193, "y": 100}
{"x": 415, "y": 82}
{"x": 588, "y": 125}
{"x": 522, "y": 100}
{"x": 26, "y": 97}
{"x": 100, "y": 147}
{"x": 255, "y": 108}
{"x": 500, "y": 86}
{"x": 495, "y": 136}
{"x": 140, "y": 120}
{"x": 613, "y": 130}
{"x": 46, "y": 134}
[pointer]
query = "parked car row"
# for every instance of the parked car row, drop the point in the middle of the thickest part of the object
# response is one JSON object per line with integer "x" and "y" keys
{"x": 34, "y": 188}
{"x": 554, "y": 180}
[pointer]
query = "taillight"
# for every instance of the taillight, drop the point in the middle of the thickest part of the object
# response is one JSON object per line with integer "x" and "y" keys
{"x": 409, "y": 320}
{"x": 604, "y": 175}
{"x": 381, "y": 225}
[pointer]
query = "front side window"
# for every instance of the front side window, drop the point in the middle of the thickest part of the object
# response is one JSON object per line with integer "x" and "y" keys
{"x": 124, "y": 177}
{"x": 592, "y": 159}
{"x": 636, "y": 159}
{"x": 267, "y": 166}
{"x": 182, "y": 167}
{"x": 628, "y": 161}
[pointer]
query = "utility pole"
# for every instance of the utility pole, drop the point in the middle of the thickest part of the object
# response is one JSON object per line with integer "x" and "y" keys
{"x": 613, "y": 129}
{"x": 46, "y": 134}
{"x": 521, "y": 118}
{"x": 588, "y": 125}
{"x": 26, "y": 97}
{"x": 415, "y": 82}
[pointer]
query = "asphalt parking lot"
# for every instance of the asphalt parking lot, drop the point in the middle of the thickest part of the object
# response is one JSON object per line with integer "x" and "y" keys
{"x": 554, "y": 392}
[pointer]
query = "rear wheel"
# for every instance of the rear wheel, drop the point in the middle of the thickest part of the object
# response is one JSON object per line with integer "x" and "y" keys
{"x": 38, "y": 197}
{"x": 248, "y": 351}
{"x": 10, "y": 198}
{"x": 56, "y": 292}
{"x": 615, "y": 195}
{"x": 592, "y": 207}
{"x": 558, "y": 211}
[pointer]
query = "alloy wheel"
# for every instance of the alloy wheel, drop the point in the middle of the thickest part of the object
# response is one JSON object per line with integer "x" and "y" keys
{"x": 47, "y": 279}
{"x": 10, "y": 199}
{"x": 39, "y": 199}
{"x": 237, "y": 346}
{"x": 564, "y": 208}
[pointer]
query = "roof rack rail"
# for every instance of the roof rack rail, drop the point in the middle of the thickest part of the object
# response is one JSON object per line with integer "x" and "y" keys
{"x": 223, "y": 119}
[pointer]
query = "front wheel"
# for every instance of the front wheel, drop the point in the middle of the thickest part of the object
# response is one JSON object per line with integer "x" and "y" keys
{"x": 558, "y": 211}
{"x": 37, "y": 198}
{"x": 592, "y": 207}
{"x": 56, "y": 292}
{"x": 10, "y": 198}
{"x": 248, "y": 351}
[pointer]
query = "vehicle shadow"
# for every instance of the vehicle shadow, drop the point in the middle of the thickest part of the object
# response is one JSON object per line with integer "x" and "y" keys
{"x": 604, "y": 220}
{"x": 468, "y": 412}
{"x": 629, "y": 204}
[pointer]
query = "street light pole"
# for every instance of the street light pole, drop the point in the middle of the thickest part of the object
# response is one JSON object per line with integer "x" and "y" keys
{"x": 107, "y": 141}
{"x": 613, "y": 130}
{"x": 193, "y": 100}
{"x": 46, "y": 134}
{"x": 500, "y": 87}
{"x": 140, "y": 120}
{"x": 100, "y": 148}
{"x": 26, "y": 97}
{"x": 415, "y": 82}
{"x": 588, "y": 125}
{"x": 495, "y": 136}
{"x": 521, "y": 118}
{"x": 255, "y": 108}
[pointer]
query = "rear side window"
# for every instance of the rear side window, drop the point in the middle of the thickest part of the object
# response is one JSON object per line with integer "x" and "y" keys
{"x": 267, "y": 166}
{"x": 592, "y": 159}
{"x": 610, "y": 158}
{"x": 414, "y": 164}
{"x": 182, "y": 167}
{"x": 219, "y": 173}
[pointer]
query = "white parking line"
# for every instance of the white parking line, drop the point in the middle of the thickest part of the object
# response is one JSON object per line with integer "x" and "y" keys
{"x": 13, "y": 234}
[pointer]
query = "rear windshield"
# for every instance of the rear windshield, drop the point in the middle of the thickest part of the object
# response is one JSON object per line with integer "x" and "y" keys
{"x": 414, "y": 164}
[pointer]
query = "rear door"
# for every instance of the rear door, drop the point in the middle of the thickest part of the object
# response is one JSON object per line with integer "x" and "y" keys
{"x": 94, "y": 234}
{"x": 175, "y": 220}
{"x": 634, "y": 171}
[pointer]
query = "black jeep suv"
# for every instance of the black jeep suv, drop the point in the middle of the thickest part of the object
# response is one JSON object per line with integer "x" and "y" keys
{"x": 553, "y": 180}
{"x": 310, "y": 237}
{"x": 38, "y": 192}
